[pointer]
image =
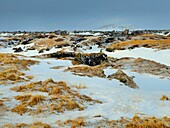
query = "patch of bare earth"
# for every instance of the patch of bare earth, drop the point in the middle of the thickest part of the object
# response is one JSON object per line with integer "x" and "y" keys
{"x": 12, "y": 67}
{"x": 60, "y": 98}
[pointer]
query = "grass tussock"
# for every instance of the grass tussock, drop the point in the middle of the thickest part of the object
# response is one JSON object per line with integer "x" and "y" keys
{"x": 35, "y": 100}
{"x": 61, "y": 97}
{"x": 23, "y": 125}
{"x": 11, "y": 69}
{"x": 151, "y": 43}
{"x": 20, "y": 109}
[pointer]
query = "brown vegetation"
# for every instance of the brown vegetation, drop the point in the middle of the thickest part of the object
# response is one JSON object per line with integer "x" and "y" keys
{"x": 74, "y": 123}
{"x": 148, "y": 122}
{"x": 151, "y": 43}
{"x": 11, "y": 67}
{"x": 61, "y": 98}
{"x": 135, "y": 122}
{"x": 23, "y": 125}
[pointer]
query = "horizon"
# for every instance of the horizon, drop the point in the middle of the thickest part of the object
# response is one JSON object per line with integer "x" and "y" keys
{"x": 52, "y": 15}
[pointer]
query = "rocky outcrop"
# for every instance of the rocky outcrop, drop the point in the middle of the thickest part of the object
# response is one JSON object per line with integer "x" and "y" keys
{"x": 91, "y": 59}
{"x": 122, "y": 77}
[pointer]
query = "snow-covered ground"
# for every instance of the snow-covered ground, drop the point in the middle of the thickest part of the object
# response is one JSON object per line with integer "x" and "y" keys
{"x": 161, "y": 56}
{"x": 118, "y": 100}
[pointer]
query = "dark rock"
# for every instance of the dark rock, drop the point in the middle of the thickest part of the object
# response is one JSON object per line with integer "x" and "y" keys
{"x": 17, "y": 49}
{"x": 47, "y": 49}
{"x": 51, "y": 36}
{"x": 41, "y": 51}
{"x": 80, "y": 39}
{"x": 31, "y": 48}
{"x": 27, "y": 41}
{"x": 61, "y": 54}
{"x": 110, "y": 40}
{"x": 59, "y": 40}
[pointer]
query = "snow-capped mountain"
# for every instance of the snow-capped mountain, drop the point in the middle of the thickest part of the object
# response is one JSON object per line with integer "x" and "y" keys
{"x": 116, "y": 27}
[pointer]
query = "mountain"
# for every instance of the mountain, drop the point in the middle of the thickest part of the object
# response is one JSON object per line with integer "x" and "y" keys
{"x": 116, "y": 27}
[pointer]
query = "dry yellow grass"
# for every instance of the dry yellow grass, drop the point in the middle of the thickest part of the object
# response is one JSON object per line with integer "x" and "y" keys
{"x": 61, "y": 98}
{"x": 148, "y": 122}
{"x": 35, "y": 100}
{"x": 23, "y": 98}
{"x": 23, "y": 125}
{"x": 138, "y": 122}
{"x": 11, "y": 69}
{"x": 20, "y": 109}
{"x": 156, "y": 44}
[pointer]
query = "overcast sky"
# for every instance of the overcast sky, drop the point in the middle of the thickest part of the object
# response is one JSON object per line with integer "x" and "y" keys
{"x": 82, "y": 14}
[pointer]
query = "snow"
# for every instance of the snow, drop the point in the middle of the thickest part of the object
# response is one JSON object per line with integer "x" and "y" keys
{"x": 86, "y": 33}
{"x": 6, "y": 34}
{"x": 117, "y": 99}
{"x": 30, "y": 52}
{"x": 160, "y": 56}
{"x": 94, "y": 49}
